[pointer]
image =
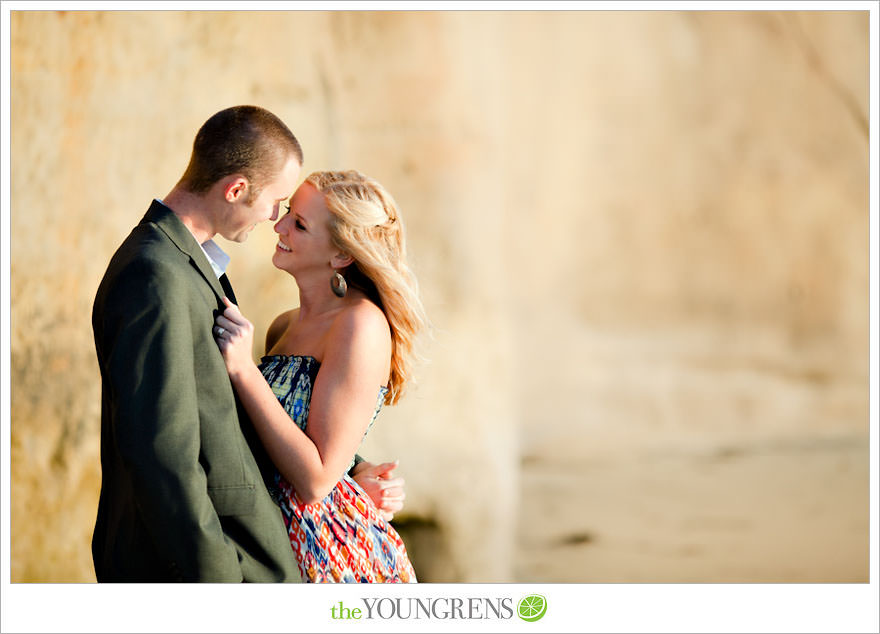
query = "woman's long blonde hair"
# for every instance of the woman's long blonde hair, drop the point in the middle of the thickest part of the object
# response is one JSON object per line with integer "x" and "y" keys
{"x": 365, "y": 224}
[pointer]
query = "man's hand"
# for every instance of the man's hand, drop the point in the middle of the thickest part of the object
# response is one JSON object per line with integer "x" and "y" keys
{"x": 384, "y": 489}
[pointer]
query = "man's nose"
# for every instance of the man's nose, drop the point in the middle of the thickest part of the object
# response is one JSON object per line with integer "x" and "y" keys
{"x": 274, "y": 215}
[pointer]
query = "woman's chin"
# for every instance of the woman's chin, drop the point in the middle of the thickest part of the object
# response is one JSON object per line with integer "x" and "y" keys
{"x": 276, "y": 257}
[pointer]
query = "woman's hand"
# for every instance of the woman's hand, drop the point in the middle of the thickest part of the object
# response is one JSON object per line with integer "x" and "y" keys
{"x": 235, "y": 338}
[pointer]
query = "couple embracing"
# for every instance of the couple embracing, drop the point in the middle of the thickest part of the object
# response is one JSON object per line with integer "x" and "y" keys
{"x": 215, "y": 468}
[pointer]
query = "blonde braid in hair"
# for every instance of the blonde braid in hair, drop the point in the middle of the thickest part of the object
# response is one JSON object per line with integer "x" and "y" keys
{"x": 366, "y": 225}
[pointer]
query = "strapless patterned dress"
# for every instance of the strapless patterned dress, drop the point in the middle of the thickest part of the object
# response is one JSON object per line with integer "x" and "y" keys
{"x": 342, "y": 538}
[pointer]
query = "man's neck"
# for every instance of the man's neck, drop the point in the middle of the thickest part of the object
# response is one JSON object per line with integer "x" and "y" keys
{"x": 193, "y": 211}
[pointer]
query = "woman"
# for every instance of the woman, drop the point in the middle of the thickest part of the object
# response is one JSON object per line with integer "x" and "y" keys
{"x": 330, "y": 365}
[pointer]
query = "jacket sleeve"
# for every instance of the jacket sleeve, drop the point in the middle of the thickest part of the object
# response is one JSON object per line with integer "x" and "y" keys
{"x": 357, "y": 460}
{"x": 150, "y": 362}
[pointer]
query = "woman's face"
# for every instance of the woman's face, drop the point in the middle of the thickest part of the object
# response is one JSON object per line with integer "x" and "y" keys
{"x": 303, "y": 237}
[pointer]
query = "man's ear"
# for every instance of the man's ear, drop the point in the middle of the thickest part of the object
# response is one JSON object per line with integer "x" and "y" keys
{"x": 235, "y": 188}
{"x": 341, "y": 260}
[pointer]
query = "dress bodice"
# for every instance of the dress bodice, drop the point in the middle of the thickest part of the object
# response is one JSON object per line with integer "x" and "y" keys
{"x": 292, "y": 378}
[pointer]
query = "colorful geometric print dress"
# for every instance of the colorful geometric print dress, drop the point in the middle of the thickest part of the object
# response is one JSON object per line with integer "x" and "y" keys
{"x": 342, "y": 538}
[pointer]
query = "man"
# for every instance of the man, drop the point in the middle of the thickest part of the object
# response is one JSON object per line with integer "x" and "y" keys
{"x": 183, "y": 494}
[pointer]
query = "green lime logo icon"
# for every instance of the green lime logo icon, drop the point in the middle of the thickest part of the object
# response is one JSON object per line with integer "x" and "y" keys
{"x": 532, "y": 607}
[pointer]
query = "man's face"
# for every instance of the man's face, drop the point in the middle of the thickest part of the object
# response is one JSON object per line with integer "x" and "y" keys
{"x": 244, "y": 216}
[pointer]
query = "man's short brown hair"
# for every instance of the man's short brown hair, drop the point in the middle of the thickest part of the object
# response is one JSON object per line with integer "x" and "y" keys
{"x": 246, "y": 140}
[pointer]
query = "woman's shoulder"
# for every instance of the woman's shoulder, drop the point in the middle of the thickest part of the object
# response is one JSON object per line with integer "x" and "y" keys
{"x": 361, "y": 336}
{"x": 279, "y": 326}
{"x": 359, "y": 320}
{"x": 362, "y": 313}
{"x": 283, "y": 320}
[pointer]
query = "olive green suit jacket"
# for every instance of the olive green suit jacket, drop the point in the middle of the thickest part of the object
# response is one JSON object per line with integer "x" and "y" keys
{"x": 184, "y": 477}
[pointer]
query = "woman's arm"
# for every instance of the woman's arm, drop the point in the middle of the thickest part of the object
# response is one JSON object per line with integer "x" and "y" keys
{"x": 377, "y": 481}
{"x": 356, "y": 363}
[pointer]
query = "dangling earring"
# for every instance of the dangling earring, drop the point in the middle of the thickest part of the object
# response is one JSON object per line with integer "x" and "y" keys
{"x": 338, "y": 285}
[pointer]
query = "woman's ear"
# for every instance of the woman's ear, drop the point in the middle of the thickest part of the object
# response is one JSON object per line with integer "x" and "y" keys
{"x": 341, "y": 260}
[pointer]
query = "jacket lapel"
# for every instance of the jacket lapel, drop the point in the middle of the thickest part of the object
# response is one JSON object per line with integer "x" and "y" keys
{"x": 183, "y": 239}
{"x": 227, "y": 288}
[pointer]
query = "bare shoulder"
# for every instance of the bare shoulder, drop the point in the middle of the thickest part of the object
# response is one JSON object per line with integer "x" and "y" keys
{"x": 279, "y": 326}
{"x": 362, "y": 318}
{"x": 361, "y": 329}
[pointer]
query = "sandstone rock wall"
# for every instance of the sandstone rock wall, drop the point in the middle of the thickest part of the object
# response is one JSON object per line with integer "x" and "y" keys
{"x": 560, "y": 173}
